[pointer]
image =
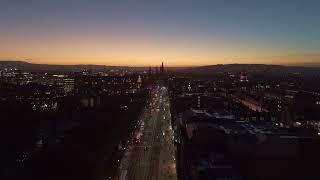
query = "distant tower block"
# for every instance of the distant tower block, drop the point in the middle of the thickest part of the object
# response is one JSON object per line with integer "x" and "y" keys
{"x": 244, "y": 77}
{"x": 139, "y": 81}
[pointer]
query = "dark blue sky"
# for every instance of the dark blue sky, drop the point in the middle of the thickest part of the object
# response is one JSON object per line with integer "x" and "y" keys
{"x": 207, "y": 31}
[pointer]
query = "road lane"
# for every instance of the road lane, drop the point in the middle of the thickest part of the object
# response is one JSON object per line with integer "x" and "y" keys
{"x": 153, "y": 157}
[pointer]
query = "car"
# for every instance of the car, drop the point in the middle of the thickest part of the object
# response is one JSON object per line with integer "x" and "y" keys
{"x": 136, "y": 141}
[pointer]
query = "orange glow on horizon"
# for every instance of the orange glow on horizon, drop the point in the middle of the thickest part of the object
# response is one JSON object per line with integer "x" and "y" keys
{"x": 130, "y": 50}
{"x": 167, "y": 62}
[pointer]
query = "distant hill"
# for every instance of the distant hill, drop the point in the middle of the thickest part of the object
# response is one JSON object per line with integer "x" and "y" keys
{"x": 253, "y": 68}
{"x": 22, "y": 65}
{"x": 211, "y": 69}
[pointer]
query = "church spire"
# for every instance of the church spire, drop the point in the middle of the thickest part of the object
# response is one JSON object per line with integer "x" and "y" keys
{"x": 162, "y": 68}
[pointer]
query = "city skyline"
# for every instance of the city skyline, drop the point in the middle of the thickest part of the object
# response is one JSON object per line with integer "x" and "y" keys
{"x": 139, "y": 33}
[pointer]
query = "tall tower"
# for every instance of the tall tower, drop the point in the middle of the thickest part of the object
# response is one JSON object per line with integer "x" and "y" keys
{"x": 162, "y": 68}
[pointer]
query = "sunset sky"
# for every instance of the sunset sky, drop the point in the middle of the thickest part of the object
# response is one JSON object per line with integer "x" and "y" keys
{"x": 144, "y": 32}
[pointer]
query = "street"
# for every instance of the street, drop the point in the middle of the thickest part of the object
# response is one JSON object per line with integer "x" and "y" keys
{"x": 151, "y": 155}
